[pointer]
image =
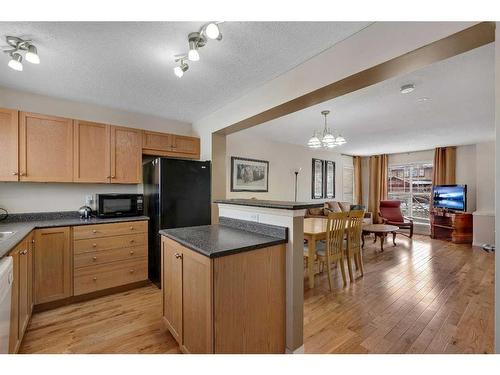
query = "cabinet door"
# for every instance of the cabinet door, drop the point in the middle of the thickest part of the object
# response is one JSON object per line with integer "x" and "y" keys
{"x": 92, "y": 152}
{"x": 45, "y": 148}
{"x": 31, "y": 270}
{"x": 9, "y": 140}
{"x": 24, "y": 286}
{"x": 197, "y": 334}
{"x": 172, "y": 288}
{"x": 186, "y": 145}
{"x": 14, "y": 307}
{"x": 156, "y": 141}
{"x": 126, "y": 155}
{"x": 53, "y": 265}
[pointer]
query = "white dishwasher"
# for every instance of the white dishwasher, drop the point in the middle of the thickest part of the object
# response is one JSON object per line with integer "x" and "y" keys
{"x": 6, "y": 279}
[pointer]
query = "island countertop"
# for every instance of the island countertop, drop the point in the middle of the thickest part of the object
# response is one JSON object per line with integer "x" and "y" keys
{"x": 230, "y": 236}
{"x": 285, "y": 205}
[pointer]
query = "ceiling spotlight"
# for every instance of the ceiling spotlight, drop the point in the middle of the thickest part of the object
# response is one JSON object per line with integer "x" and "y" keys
{"x": 406, "y": 89}
{"x": 32, "y": 55}
{"x": 179, "y": 70}
{"x": 193, "y": 54}
{"x": 16, "y": 47}
{"x": 16, "y": 61}
{"x": 212, "y": 31}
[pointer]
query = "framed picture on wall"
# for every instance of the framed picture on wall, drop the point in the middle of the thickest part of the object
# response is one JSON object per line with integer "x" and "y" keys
{"x": 329, "y": 179}
{"x": 249, "y": 175}
{"x": 317, "y": 179}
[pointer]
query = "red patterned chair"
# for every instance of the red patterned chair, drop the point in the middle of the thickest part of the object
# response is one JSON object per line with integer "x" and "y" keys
{"x": 390, "y": 213}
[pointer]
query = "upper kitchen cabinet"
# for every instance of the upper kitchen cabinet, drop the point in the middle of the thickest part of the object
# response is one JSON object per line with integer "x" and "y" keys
{"x": 163, "y": 144}
{"x": 9, "y": 140}
{"x": 45, "y": 148}
{"x": 92, "y": 151}
{"x": 126, "y": 155}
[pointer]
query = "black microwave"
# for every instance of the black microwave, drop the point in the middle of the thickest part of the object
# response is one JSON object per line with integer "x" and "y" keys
{"x": 119, "y": 205}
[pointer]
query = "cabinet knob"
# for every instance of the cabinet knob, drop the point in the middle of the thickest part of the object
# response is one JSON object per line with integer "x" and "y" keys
{"x": 131, "y": 252}
{"x": 132, "y": 228}
{"x": 132, "y": 271}
{"x": 23, "y": 174}
{"x": 132, "y": 241}
{"x": 94, "y": 258}
{"x": 177, "y": 255}
{"x": 94, "y": 245}
{"x": 24, "y": 252}
{"x": 113, "y": 176}
{"x": 15, "y": 173}
{"x": 95, "y": 278}
{"x": 108, "y": 176}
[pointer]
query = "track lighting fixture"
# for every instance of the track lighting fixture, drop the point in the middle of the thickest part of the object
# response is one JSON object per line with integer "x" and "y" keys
{"x": 179, "y": 70}
{"x": 197, "y": 40}
{"x": 18, "y": 45}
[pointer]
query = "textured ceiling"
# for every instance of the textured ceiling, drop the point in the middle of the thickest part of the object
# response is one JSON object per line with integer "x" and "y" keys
{"x": 129, "y": 65}
{"x": 378, "y": 119}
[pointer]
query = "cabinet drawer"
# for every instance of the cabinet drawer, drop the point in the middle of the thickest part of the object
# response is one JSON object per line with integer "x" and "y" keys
{"x": 106, "y": 243}
{"x": 107, "y": 230}
{"x": 107, "y": 256}
{"x": 94, "y": 278}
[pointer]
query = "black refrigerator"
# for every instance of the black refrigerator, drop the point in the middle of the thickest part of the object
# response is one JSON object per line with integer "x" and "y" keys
{"x": 176, "y": 195}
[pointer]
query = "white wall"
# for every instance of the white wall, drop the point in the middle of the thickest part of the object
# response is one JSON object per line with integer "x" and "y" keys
{"x": 283, "y": 159}
{"x": 19, "y": 197}
{"x": 485, "y": 177}
{"x": 497, "y": 185}
{"x": 466, "y": 173}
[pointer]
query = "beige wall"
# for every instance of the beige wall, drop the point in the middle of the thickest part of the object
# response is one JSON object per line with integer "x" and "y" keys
{"x": 485, "y": 177}
{"x": 40, "y": 197}
{"x": 283, "y": 159}
{"x": 466, "y": 173}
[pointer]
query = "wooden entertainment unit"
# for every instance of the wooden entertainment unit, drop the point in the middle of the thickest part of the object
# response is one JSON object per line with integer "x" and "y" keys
{"x": 452, "y": 226}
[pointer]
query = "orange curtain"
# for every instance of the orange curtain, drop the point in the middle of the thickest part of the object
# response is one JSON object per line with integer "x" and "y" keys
{"x": 358, "y": 183}
{"x": 445, "y": 161}
{"x": 378, "y": 184}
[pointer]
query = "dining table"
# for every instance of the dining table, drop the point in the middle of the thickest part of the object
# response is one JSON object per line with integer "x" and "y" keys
{"x": 314, "y": 231}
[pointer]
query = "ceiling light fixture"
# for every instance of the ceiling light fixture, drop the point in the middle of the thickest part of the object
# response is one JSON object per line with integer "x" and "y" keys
{"x": 18, "y": 45}
{"x": 406, "y": 89}
{"x": 183, "y": 66}
{"x": 197, "y": 40}
{"x": 325, "y": 138}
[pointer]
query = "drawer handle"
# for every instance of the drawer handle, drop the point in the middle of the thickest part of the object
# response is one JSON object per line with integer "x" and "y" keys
{"x": 132, "y": 271}
{"x": 94, "y": 245}
{"x": 15, "y": 173}
{"x": 94, "y": 231}
{"x": 177, "y": 255}
{"x": 131, "y": 228}
{"x": 95, "y": 278}
{"x": 94, "y": 258}
{"x": 131, "y": 252}
{"x": 132, "y": 241}
{"x": 24, "y": 252}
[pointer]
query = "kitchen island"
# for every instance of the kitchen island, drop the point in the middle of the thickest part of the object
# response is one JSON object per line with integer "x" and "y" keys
{"x": 223, "y": 287}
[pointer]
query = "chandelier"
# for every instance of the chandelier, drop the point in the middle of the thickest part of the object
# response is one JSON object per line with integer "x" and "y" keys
{"x": 325, "y": 139}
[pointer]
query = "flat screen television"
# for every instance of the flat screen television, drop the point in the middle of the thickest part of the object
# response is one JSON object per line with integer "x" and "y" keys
{"x": 450, "y": 197}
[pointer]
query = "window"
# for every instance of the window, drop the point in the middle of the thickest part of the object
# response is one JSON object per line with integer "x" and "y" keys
{"x": 412, "y": 185}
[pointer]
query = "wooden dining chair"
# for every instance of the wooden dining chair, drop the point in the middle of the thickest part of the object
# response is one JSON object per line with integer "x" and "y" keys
{"x": 333, "y": 251}
{"x": 353, "y": 251}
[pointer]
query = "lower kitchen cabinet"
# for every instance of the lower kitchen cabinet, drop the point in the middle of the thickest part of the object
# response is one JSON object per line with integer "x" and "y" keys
{"x": 230, "y": 304}
{"x": 53, "y": 265}
{"x": 22, "y": 296}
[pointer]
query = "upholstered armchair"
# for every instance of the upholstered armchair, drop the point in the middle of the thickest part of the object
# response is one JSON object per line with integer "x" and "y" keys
{"x": 390, "y": 213}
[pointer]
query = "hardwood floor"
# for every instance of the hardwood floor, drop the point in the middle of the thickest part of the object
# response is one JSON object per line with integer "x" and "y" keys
{"x": 128, "y": 322}
{"x": 428, "y": 296}
{"x": 425, "y": 296}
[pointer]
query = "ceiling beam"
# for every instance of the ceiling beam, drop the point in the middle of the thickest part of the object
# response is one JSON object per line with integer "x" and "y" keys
{"x": 473, "y": 37}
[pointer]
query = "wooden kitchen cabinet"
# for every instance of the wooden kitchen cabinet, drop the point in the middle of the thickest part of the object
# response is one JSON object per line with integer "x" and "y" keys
{"x": 45, "y": 148}
{"x": 53, "y": 265}
{"x": 229, "y": 304}
{"x": 9, "y": 141}
{"x": 126, "y": 155}
{"x": 22, "y": 286}
{"x": 163, "y": 144}
{"x": 92, "y": 152}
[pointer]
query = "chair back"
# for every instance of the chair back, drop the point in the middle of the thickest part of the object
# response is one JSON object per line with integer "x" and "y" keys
{"x": 335, "y": 230}
{"x": 391, "y": 211}
{"x": 354, "y": 229}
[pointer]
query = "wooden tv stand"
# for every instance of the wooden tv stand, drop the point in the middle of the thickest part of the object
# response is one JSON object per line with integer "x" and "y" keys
{"x": 452, "y": 226}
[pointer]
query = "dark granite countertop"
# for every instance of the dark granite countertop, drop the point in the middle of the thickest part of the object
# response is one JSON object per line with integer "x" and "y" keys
{"x": 23, "y": 224}
{"x": 230, "y": 236}
{"x": 285, "y": 205}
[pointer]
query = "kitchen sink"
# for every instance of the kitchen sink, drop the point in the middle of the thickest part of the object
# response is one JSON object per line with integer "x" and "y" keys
{"x": 5, "y": 235}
